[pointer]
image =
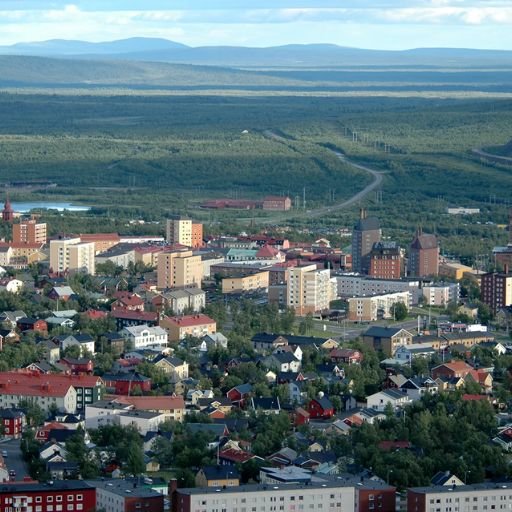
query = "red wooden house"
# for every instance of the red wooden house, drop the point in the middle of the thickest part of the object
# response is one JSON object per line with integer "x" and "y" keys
{"x": 127, "y": 383}
{"x": 345, "y": 355}
{"x": 13, "y": 421}
{"x": 239, "y": 394}
{"x": 83, "y": 365}
{"x": 300, "y": 416}
{"x": 32, "y": 324}
{"x": 320, "y": 408}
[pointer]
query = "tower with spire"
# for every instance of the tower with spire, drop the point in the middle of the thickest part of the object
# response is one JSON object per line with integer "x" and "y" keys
{"x": 7, "y": 212}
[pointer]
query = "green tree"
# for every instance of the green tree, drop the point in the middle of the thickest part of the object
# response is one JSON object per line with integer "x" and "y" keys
{"x": 135, "y": 461}
{"x": 399, "y": 310}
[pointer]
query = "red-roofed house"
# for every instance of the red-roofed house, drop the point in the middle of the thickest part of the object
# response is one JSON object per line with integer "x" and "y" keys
{"x": 345, "y": 355}
{"x": 126, "y": 318}
{"x": 179, "y": 327}
{"x": 475, "y": 398}
{"x": 460, "y": 369}
{"x": 43, "y": 432}
{"x": 127, "y": 301}
{"x": 232, "y": 456}
{"x": 77, "y": 366}
{"x": 95, "y": 314}
{"x": 387, "y": 446}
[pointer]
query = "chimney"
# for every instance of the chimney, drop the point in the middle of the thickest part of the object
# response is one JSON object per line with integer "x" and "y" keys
{"x": 362, "y": 213}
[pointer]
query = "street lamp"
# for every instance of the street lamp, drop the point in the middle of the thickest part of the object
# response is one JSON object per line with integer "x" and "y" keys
{"x": 465, "y": 476}
{"x": 387, "y": 478}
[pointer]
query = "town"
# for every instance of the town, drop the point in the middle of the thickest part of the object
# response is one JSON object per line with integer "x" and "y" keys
{"x": 236, "y": 372}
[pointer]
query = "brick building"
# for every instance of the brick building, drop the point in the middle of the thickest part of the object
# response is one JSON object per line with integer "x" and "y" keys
{"x": 386, "y": 260}
{"x": 365, "y": 234}
{"x": 29, "y": 232}
{"x": 424, "y": 255}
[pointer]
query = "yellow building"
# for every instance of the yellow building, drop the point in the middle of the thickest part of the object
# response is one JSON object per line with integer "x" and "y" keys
{"x": 179, "y": 269}
{"x": 453, "y": 270}
{"x": 72, "y": 255}
{"x": 179, "y": 327}
{"x": 245, "y": 284}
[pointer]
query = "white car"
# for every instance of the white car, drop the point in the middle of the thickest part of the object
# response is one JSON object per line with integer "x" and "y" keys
{"x": 4, "y": 453}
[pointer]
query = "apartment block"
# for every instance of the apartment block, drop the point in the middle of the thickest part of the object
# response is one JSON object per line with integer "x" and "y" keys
{"x": 309, "y": 290}
{"x": 496, "y": 290}
{"x": 102, "y": 241}
{"x": 443, "y": 498}
{"x": 441, "y": 295}
{"x": 386, "y": 260}
{"x": 179, "y": 269}
{"x": 179, "y": 327}
{"x": 72, "y": 255}
{"x": 424, "y": 255}
{"x": 118, "y": 495}
{"x": 370, "y": 309}
{"x": 365, "y": 234}
{"x": 184, "y": 232}
{"x": 351, "y": 285}
{"x": 29, "y": 232}
{"x": 247, "y": 283}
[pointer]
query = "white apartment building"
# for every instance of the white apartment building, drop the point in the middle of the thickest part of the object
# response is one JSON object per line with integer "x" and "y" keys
{"x": 354, "y": 285}
{"x": 142, "y": 336}
{"x": 309, "y": 290}
{"x": 370, "y": 309}
{"x": 326, "y": 497}
{"x": 441, "y": 295}
{"x": 72, "y": 255}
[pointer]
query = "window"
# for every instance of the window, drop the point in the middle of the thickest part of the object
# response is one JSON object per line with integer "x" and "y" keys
{"x": 58, "y": 499}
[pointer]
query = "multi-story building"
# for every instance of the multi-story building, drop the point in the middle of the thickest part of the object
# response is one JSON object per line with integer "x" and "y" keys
{"x": 351, "y": 285}
{"x": 71, "y": 254}
{"x": 277, "y": 203}
{"x": 441, "y": 294}
{"x": 29, "y": 232}
{"x": 424, "y": 255}
{"x": 13, "y": 421}
{"x": 64, "y": 495}
{"x": 179, "y": 327}
{"x": 102, "y": 241}
{"x": 496, "y": 289}
{"x": 179, "y": 269}
{"x": 247, "y": 283}
{"x": 187, "y": 299}
{"x": 446, "y": 498}
{"x": 69, "y": 392}
{"x": 121, "y": 255}
{"x": 183, "y": 231}
{"x": 365, "y": 234}
{"x": 117, "y": 495}
{"x": 386, "y": 260}
{"x": 309, "y": 290}
{"x": 143, "y": 336}
{"x": 370, "y": 309}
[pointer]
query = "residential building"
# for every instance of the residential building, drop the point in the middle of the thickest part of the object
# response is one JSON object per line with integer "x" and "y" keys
{"x": 142, "y": 336}
{"x": 250, "y": 282}
{"x": 379, "y": 401}
{"x": 217, "y": 476}
{"x": 84, "y": 341}
{"x": 387, "y": 339}
{"x": 424, "y": 255}
{"x": 370, "y": 309}
{"x": 20, "y": 255}
{"x": 172, "y": 407}
{"x": 102, "y": 241}
{"x": 127, "y": 383}
{"x": 483, "y": 496}
{"x": 187, "y": 299}
{"x": 29, "y": 232}
{"x": 454, "y": 270}
{"x": 179, "y": 327}
{"x": 386, "y": 260}
{"x": 127, "y": 301}
{"x": 74, "y": 495}
{"x": 327, "y": 496}
{"x": 70, "y": 254}
{"x": 496, "y": 290}
{"x": 309, "y": 290}
{"x": 353, "y": 285}
{"x": 174, "y": 367}
{"x": 32, "y": 324}
{"x": 277, "y": 203}
{"x": 179, "y": 269}
{"x": 119, "y": 495}
{"x": 441, "y": 295}
{"x": 127, "y": 318}
{"x": 120, "y": 255}
{"x": 320, "y": 408}
{"x": 183, "y": 231}
{"x": 13, "y": 421}
{"x": 365, "y": 234}
{"x": 143, "y": 421}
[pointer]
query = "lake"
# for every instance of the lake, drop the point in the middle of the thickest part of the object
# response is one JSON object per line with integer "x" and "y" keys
{"x": 47, "y": 205}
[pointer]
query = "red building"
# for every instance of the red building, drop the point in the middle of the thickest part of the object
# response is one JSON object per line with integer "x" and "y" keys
{"x": 32, "y": 324}
{"x": 126, "y": 383}
{"x": 126, "y": 318}
{"x": 83, "y": 365}
{"x": 239, "y": 394}
{"x": 13, "y": 421}
{"x": 74, "y": 495}
{"x": 300, "y": 417}
{"x": 386, "y": 261}
{"x": 375, "y": 496}
{"x": 128, "y": 301}
{"x": 424, "y": 255}
{"x": 320, "y": 408}
{"x": 7, "y": 212}
{"x": 345, "y": 355}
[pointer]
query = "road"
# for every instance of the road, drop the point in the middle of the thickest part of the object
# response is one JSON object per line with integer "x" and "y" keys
{"x": 14, "y": 459}
{"x": 319, "y": 212}
{"x": 492, "y": 157}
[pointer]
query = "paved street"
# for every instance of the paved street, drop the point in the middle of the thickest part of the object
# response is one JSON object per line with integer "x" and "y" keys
{"x": 14, "y": 458}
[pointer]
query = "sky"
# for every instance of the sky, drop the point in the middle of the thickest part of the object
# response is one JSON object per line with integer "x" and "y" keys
{"x": 379, "y": 24}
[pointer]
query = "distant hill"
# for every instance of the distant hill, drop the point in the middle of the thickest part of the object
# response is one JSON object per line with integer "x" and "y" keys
{"x": 17, "y": 70}
{"x": 61, "y": 47}
{"x": 317, "y": 55}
